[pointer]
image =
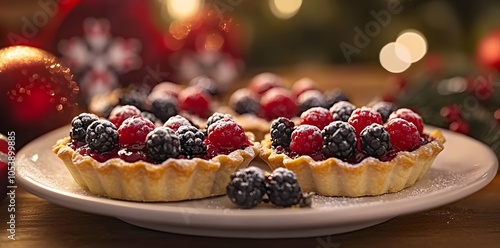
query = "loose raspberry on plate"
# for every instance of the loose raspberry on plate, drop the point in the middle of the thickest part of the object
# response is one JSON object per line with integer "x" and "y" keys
{"x": 121, "y": 113}
{"x": 195, "y": 101}
{"x": 375, "y": 140}
{"x": 342, "y": 110}
{"x": 161, "y": 144}
{"x": 263, "y": 82}
{"x": 363, "y": 117}
{"x": 102, "y": 136}
{"x": 404, "y": 134}
{"x": 227, "y": 135}
{"x": 306, "y": 140}
{"x": 177, "y": 121}
{"x": 317, "y": 116}
{"x": 134, "y": 130}
{"x": 79, "y": 126}
{"x": 410, "y": 116}
{"x": 339, "y": 140}
{"x": 278, "y": 102}
{"x": 281, "y": 132}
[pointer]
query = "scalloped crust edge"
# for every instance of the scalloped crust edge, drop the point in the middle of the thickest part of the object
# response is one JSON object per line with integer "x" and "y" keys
{"x": 370, "y": 177}
{"x": 173, "y": 180}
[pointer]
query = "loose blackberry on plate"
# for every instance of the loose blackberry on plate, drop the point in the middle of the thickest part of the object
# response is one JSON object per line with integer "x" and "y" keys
{"x": 283, "y": 189}
{"x": 247, "y": 187}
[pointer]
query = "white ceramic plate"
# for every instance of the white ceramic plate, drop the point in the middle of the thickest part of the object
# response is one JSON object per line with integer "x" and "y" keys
{"x": 464, "y": 167}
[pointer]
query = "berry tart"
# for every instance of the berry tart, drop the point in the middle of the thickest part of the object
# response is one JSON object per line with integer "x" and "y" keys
{"x": 348, "y": 151}
{"x": 128, "y": 157}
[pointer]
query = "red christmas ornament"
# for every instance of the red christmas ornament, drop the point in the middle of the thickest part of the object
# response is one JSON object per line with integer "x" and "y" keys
{"x": 111, "y": 44}
{"x": 37, "y": 93}
{"x": 4, "y": 159}
{"x": 488, "y": 50}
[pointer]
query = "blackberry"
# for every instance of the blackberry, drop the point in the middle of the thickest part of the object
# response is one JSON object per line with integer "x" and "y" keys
{"x": 217, "y": 117}
{"x": 134, "y": 98}
{"x": 79, "y": 126}
{"x": 164, "y": 107}
{"x": 162, "y": 143}
{"x": 247, "y": 187}
{"x": 192, "y": 141}
{"x": 385, "y": 109}
{"x": 150, "y": 116}
{"x": 283, "y": 189}
{"x": 335, "y": 96}
{"x": 246, "y": 105}
{"x": 311, "y": 99}
{"x": 206, "y": 84}
{"x": 102, "y": 136}
{"x": 339, "y": 140}
{"x": 281, "y": 132}
{"x": 342, "y": 110}
{"x": 375, "y": 140}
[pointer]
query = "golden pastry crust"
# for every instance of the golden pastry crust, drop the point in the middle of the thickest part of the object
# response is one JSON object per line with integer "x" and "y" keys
{"x": 173, "y": 180}
{"x": 333, "y": 177}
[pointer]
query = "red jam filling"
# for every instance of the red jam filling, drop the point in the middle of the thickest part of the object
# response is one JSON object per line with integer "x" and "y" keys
{"x": 358, "y": 155}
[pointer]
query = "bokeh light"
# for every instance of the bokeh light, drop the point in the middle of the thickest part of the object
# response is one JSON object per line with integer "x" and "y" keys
{"x": 285, "y": 9}
{"x": 182, "y": 9}
{"x": 395, "y": 57}
{"x": 414, "y": 42}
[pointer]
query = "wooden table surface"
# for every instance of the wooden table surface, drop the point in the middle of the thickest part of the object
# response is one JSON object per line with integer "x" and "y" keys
{"x": 470, "y": 222}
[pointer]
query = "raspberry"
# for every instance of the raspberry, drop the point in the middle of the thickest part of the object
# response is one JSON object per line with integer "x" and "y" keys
{"x": 375, "y": 140}
{"x": 161, "y": 144}
{"x": 306, "y": 140}
{"x": 281, "y": 132}
{"x": 410, "y": 116}
{"x": 404, "y": 134}
{"x": 217, "y": 117}
{"x": 121, "y": 113}
{"x": 79, "y": 126}
{"x": 244, "y": 101}
{"x": 311, "y": 99}
{"x": 283, "y": 188}
{"x": 303, "y": 85}
{"x": 278, "y": 102}
{"x": 177, "y": 121}
{"x": 335, "y": 96}
{"x": 247, "y": 187}
{"x": 164, "y": 107}
{"x": 342, "y": 110}
{"x": 134, "y": 98}
{"x": 206, "y": 84}
{"x": 263, "y": 82}
{"x": 192, "y": 141}
{"x": 384, "y": 109}
{"x": 227, "y": 135}
{"x": 102, "y": 136}
{"x": 134, "y": 130}
{"x": 195, "y": 101}
{"x": 316, "y": 116}
{"x": 363, "y": 117}
{"x": 339, "y": 140}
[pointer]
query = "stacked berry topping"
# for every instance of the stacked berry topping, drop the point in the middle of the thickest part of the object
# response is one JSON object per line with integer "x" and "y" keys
{"x": 249, "y": 187}
{"x": 348, "y": 133}
{"x": 130, "y": 136}
{"x": 267, "y": 97}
